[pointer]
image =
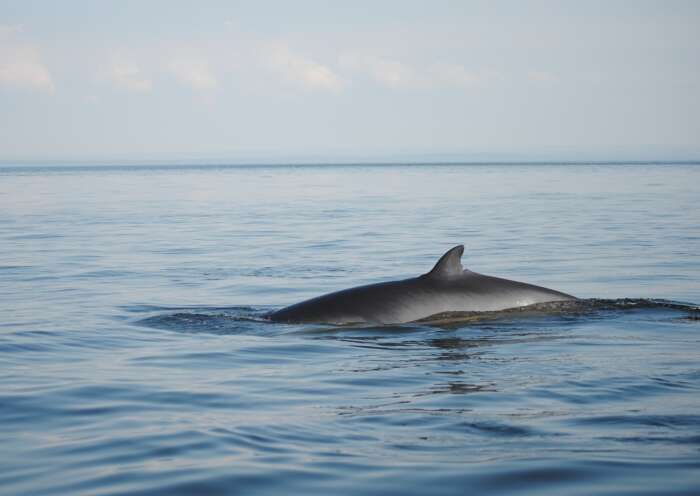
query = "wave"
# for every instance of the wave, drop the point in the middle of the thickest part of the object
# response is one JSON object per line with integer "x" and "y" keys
{"x": 252, "y": 319}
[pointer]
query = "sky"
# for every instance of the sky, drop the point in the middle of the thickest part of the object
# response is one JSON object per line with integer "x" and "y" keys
{"x": 314, "y": 81}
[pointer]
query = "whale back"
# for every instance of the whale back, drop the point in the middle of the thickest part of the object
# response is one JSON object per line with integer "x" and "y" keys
{"x": 448, "y": 287}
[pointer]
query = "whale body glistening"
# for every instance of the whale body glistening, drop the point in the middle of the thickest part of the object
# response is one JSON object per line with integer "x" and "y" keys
{"x": 448, "y": 287}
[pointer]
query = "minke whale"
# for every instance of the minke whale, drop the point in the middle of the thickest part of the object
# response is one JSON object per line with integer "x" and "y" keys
{"x": 448, "y": 287}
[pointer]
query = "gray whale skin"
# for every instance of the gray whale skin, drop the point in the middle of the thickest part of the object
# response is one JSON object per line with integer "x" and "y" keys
{"x": 448, "y": 287}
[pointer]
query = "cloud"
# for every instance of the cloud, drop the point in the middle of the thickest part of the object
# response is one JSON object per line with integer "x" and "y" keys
{"x": 301, "y": 70}
{"x": 128, "y": 75}
{"x": 195, "y": 74}
{"x": 387, "y": 72}
{"x": 20, "y": 62}
{"x": 542, "y": 78}
{"x": 393, "y": 73}
{"x": 454, "y": 75}
{"x": 10, "y": 30}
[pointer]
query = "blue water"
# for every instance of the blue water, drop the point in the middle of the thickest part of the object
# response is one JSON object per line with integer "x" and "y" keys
{"x": 133, "y": 360}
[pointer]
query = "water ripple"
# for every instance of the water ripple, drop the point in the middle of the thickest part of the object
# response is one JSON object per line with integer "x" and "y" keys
{"x": 136, "y": 358}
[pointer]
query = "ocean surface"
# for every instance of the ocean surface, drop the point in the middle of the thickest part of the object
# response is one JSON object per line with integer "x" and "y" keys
{"x": 134, "y": 358}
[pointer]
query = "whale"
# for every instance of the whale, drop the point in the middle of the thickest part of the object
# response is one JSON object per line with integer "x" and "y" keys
{"x": 447, "y": 288}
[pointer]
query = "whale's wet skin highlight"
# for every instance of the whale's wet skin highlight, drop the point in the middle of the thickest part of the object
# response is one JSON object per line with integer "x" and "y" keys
{"x": 136, "y": 356}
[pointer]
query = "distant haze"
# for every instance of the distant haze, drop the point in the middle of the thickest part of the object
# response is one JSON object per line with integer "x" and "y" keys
{"x": 315, "y": 81}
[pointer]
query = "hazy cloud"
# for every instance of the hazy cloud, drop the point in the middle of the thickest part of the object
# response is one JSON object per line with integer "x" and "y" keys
{"x": 301, "y": 70}
{"x": 8, "y": 31}
{"x": 127, "y": 75}
{"x": 387, "y": 72}
{"x": 20, "y": 62}
{"x": 194, "y": 73}
{"x": 394, "y": 73}
{"x": 543, "y": 78}
{"x": 454, "y": 75}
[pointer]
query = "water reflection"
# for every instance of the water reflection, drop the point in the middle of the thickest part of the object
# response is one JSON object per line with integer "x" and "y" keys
{"x": 457, "y": 387}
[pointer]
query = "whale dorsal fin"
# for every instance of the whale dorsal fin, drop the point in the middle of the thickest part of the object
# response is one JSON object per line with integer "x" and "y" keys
{"x": 450, "y": 264}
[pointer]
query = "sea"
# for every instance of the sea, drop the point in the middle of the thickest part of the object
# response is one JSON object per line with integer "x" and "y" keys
{"x": 135, "y": 357}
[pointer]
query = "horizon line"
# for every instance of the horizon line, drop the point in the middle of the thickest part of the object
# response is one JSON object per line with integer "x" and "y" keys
{"x": 68, "y": 164}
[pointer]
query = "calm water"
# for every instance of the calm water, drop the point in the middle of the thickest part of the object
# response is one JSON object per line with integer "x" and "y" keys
{"x": 132, "y": 361}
